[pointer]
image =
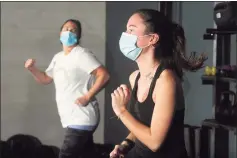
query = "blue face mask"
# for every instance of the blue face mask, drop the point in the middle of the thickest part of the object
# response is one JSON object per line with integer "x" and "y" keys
{"x": 68, "y": 38}
{"x": 128, "y": 46}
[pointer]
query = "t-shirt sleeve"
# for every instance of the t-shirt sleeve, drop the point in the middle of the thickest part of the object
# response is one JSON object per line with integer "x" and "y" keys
{"x": 88, "y": 61}
{"x": 49, "y": 70}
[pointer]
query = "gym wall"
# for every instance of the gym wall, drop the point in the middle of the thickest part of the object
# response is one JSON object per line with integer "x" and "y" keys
{"x": 31, "y": 30}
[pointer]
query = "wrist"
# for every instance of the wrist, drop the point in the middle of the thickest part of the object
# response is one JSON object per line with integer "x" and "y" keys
{"x": 129, "y": 142}
{"x": 88, "y": 96}
{"x": 122, "y": 112}
{"x": 31, "y": 69}
{"x": 126, "y": 145}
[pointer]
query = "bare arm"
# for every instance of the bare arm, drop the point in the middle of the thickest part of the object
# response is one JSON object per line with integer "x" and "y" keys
{"x": 132, "y": 79}
{"x": 154, "y": 136}
{"x": 130, "y": 137}
{"x": 102, "y": 77}
{"x": 40, "y": 76}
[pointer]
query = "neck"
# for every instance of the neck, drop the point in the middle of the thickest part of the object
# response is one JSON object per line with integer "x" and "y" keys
{"x": 67, "y": 49}
{"x": 146, "y": 64}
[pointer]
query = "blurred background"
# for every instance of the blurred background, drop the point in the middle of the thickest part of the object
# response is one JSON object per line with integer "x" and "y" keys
{"x": 31, "y": 30}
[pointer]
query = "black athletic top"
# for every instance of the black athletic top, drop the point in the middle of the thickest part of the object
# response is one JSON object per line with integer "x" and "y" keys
{"x": 173, "y": 146}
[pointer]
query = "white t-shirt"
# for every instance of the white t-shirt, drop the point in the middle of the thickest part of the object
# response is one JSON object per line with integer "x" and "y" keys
{"x": 72, "y": 78}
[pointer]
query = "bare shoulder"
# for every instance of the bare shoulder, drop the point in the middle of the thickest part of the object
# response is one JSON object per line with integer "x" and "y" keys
{"x": 166, "y": 85}
{"x": 132, "y": 77}
{"x": 167, "y": 76}
{"x": 167, "y": 80}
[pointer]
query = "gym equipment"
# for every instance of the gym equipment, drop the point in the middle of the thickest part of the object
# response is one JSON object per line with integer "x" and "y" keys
{"x": 223, "y": 71}
{"x": 192, "y": 140}
{"x": 219, "y": 135}
{"x": 207, "y": 70}
{"x": 225, "y": 14}
{"x": 210, "y": 71}
{"x": 224, "y": 110}
{"x": 227, "y": 71}
{"x": 213, "y": 71}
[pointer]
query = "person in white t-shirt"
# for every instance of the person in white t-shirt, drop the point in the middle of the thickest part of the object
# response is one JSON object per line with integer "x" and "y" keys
{"x": 78, "y": 76}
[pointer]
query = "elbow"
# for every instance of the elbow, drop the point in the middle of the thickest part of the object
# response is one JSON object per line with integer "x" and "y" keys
{"x": 42, "y": 82}
{"x": 154, "y": 146}
{"x": 106, "y": 77}
{"x": 45, "y": 81}
{"x": 39, "y": 81}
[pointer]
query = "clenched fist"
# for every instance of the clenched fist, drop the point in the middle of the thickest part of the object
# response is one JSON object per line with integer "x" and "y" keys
{"x": 120, "y": 98}
{"x": 116, "y": 153}
{"x": 29, "y": 64}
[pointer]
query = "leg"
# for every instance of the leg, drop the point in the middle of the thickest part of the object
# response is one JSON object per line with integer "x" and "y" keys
{"x": 76, "y": 143}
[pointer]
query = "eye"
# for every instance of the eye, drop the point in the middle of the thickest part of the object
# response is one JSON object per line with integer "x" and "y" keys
{"x": 64, "y": 29}
{"x": 73, "y": 30}
{"x": 129, "y": 30}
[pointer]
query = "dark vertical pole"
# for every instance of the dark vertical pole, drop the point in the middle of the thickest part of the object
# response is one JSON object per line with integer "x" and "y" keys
{"x": 223, "y": 58}
{"x": 166, "y": 8}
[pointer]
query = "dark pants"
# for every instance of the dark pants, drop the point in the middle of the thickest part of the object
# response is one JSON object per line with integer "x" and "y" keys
{"x": 77, "y": 144}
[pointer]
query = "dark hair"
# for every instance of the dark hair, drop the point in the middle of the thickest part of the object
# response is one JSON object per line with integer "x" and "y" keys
{"x": 22, "y": 145}
{"x": 170, "y": 49}
{"x": 78, "y": 24}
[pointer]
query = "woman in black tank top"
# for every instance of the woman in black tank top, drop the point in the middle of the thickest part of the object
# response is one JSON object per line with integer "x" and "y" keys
{"x": 155, "y": 114}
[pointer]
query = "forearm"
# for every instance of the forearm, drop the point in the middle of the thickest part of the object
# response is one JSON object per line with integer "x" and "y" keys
{"x": 127, "y": 144}
{"x": 140, "y": 131}
{"x": 131, "y": 137}
{"x": 40, "y": 76}
{"x": 100, "y": 82}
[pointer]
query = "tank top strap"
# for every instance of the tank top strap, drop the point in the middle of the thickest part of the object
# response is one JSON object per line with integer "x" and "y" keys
{"x": 134, "y": 91}
{"x": 137, "y": 78}
{"x": 159, "y": 70}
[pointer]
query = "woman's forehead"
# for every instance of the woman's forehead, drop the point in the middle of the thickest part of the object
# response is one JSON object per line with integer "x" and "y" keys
{"x": 135, "y": 21}
{"x": 70, "y": 24}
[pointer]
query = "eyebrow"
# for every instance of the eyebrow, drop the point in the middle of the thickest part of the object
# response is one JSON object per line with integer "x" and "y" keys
{"x": 132, "y": 25}
{"x": 68, "y": 27}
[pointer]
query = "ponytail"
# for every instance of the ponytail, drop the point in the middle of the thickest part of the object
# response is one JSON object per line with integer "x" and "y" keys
{"x": 170, "y": 48}
{"x": 193, "y": 63}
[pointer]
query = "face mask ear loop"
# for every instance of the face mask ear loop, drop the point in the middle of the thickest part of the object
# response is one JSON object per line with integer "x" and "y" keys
{"x": 148, "y": 44}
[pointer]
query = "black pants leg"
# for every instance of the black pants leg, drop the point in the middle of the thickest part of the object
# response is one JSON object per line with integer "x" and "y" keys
{"x": 77, "y": 144}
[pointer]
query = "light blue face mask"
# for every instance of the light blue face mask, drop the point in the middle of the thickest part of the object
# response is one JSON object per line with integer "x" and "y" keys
{"x": 128, "y": 46}
{"x": 68, "y": 38}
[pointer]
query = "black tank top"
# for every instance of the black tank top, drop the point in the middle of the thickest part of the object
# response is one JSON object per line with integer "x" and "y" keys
{"x": 173, "y": 145}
